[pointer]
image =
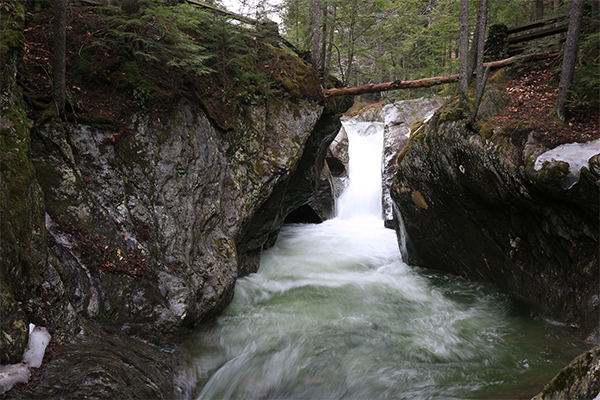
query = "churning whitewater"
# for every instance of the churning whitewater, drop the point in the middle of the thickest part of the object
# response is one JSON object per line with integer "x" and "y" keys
{"x": 334, "y": 313}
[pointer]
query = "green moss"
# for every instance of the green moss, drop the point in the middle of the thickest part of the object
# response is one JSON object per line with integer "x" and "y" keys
{"x": 501, "y": 76}
{"x": 12, "y": 19}
{"x": 513, "y": 128}
{"x": 82, "y": 69}
{"x": 17, "y": 171}
{"x": 130, "y": 80}
{"x": 451, "y": 111}
{"x": 290, "y": 72}
{"x": 567, "y": 377}
{"x": 416, "y": 125}
{"x": 554, "y": 174}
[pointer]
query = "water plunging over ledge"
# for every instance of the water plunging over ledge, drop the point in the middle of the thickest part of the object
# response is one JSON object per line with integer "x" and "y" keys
{"x": 334, "y": 313}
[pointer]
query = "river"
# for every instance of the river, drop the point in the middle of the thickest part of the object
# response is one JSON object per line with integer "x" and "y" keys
{"x": 334, "y": 313}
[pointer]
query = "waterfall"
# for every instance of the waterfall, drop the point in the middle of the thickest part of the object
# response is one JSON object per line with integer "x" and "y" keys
{"x": 363, "y": 195}
{"x": 334, "y": 313}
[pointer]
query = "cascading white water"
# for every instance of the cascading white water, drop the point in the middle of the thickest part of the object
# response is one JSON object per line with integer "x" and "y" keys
{"x": 363, "y": 195}
{"x": 334, "y": 313}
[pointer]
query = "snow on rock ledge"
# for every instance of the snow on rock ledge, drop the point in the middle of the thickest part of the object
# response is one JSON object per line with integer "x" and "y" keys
{"x": 577, "y": 155}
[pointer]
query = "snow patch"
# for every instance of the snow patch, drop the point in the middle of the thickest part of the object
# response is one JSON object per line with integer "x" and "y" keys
{"x": 36, "y": 347}
{"x": 12, "y": 374}
{"x": 577, "y": 155}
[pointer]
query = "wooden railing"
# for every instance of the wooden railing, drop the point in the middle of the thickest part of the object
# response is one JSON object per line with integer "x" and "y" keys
{"x": 515, "y": 41}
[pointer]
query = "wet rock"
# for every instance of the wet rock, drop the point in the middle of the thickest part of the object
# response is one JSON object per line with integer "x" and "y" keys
{"x": 397, "y": 118}
{"x": 291, "y": 194}
{"x": 579, "y": 380}
{"x": 104, "y": 363}
{"x": 323, "y": 200}
{"x": 473, "y": 204}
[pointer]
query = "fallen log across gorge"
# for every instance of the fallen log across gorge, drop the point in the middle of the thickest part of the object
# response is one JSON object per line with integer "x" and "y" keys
{"x": 427, "y": 82}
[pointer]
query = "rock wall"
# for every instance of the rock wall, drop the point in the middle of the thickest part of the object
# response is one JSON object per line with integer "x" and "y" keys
{"x": 119, "y": 239}
{"x": 473, "y": 204}
{"x": 397, "y": 118}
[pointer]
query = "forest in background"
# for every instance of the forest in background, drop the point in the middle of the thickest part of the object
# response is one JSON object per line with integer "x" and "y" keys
{"x": 373, "y": 41}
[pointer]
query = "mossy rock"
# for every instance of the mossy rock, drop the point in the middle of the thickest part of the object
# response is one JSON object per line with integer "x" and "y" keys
{"x": 579, "y": 379}
{"x": 451, "y": 111}
{"x": 492, "y": 102}
{"x": 292, "y": 73}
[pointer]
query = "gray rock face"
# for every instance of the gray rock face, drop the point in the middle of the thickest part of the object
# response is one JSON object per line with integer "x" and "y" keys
{"x": 145, "y": 222}
{"x": 474, "y": 205}
{"x": 397, "y": 119}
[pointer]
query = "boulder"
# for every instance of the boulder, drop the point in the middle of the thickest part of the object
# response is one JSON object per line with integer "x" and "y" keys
{"x": 473, "y": 204}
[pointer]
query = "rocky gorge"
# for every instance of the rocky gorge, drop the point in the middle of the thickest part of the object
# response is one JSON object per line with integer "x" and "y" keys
{"x": 120, "y": 240}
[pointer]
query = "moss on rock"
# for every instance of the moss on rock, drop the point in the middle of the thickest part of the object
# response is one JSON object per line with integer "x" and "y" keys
{"x": 23, "y": 247}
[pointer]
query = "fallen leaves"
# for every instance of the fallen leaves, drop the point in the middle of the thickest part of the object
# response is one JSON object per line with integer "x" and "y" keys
{"x": 533, "y": 99}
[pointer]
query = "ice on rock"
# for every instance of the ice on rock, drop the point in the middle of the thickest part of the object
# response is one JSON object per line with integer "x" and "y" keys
{"x": 36, "y": 347}
{"x": 577, "y": 155}
{"x": 12, "y": 374}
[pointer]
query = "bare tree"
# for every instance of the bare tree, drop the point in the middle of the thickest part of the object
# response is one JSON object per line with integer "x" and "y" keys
{"x": 480, "y": 33}
{"x": 60, "y": 54}
{"x": 329, "y": 52}
{"x": 473, "y": 53}
{"x": 463, "y": 82}
{"x": 570, "y": 56}
{"x": 323, "y": 53}
{"x": 539, "y": 9}
{"x": 316, "y": 45}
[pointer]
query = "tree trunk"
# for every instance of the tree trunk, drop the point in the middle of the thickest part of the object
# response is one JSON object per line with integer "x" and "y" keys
{"x": 474, "y": 52}
{"x": 427, "y": 82}
{"x": 324, "y": 41}
{"x": 328, "y": 54}
{"x": 481, "y": 21}
{"x": 60, "y": 54}
{"x": 316, "y": 46}
{"x": 539, "y": 9}
{"x": 463, "y": 84}
{"x": 570, "y": 56}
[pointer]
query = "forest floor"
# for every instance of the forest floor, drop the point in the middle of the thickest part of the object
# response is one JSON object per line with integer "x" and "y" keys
{"x": 533, "y": 90}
